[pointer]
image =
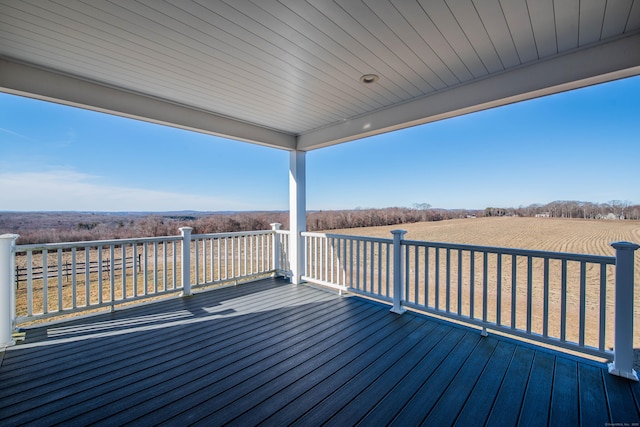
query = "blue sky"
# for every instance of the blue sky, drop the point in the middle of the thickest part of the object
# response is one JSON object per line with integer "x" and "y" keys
{"x": 580, "y": 145}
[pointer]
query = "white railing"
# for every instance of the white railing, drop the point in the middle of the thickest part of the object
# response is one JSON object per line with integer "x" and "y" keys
{"x": 581, "y": 302}
{"x": 231, "y": 256}
{"x": 281, "y": 257}
{"x": 355, "y": 263}
{"x": 558, "y": 298}
{"x": 573, "y": 301}
{"x": 47, "y": 280}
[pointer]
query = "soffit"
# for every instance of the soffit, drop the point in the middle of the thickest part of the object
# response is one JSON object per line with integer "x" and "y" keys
{"x": 286, "y": 73}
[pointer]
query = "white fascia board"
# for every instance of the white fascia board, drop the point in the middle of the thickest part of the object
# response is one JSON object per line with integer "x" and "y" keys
{"x": 26, "y": 80}
{"x": 597, "y": 64}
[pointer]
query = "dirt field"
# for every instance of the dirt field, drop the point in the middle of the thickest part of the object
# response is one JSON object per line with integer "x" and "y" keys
{"x": 548, "y": 234}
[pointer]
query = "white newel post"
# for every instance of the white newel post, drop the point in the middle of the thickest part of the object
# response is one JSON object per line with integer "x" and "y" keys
{"x": 297, "y": 214}
{"x": 186, "y": 260}
{"x": 398, "y": 271}
{"x": 623, "y": 335}
{"x": 275, "y": 248}
{"x": 7, "y": 303}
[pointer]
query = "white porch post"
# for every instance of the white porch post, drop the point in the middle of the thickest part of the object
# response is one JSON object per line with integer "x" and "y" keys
{"x": 398, "y": 271}
{"x": 186, "y": 260}
{"x": 7, "y": 302}
{"x": 275, "y": 248}
{"x": 623, "y": 323}
{"x": 297, "y": 213}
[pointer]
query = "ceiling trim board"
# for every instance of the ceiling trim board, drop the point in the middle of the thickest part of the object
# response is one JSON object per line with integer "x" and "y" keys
{"x": 34, "y": 82}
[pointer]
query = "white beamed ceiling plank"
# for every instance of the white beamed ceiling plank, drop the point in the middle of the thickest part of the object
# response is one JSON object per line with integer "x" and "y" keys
{"x": 591, "y": 19}
{"x": 633, "y": 22}
{"x": 405, "y": 60}
{"x": 601, "y": 63}
{"x": 430, "y": 62}
{"x": 567, "y": 18}
{"x": 21, "y": 79}
{"x": 544, "y": 29}
{"x": 615, "y": 17}
{"x": 495, "y": 24}
{"x": 516, "y": 13}
{"x": 446, "y": 23}
{"x": 422, "y": 23}
{"x": 471, "y": 24}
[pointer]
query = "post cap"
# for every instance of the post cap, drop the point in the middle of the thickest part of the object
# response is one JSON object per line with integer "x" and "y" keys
{"x": 625, "y": 246}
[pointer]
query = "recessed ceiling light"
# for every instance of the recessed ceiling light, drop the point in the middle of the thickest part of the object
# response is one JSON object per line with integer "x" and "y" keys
{"x": 369, "y": 78}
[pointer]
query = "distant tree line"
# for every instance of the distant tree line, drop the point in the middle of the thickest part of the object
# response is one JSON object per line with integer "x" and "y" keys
{"x": 52, "y": 227}
{"x": 614, "y": 209}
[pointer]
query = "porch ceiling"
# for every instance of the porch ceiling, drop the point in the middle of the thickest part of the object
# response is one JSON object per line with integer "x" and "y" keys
{"x": 286, "y": 73}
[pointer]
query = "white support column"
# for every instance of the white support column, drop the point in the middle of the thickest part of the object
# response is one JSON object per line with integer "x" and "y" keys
{"x": 275, "y": 248}
{"x": 186, "y": 260}
{"x": 7, "y": 301}
{"x": 297, "y": 213}
{"x": 622, "y": 365}
{"x": 398, "y": 271}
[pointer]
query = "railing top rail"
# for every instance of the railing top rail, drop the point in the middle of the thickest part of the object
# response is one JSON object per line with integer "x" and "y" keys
{"x": 231, "y": 234}
{"x": 347, "y": 236}
{"x": 92, "y": 243}
{"x": 603, "y": 259}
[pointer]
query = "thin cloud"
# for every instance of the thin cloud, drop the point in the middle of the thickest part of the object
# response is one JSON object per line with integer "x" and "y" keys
{"x": 16, "y": 134}
{"x": 70, "y": 190}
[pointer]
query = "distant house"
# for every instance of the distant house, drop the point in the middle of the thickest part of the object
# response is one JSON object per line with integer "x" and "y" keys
{"x": 610, "y": 216}
{"x": 543, "y": 215}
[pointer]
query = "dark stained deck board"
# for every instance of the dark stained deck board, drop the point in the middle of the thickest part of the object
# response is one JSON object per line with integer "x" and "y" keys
{"x": 266, "y": 402}
{"x": 271, "y": 353}
{"x": 537, "y": 398}
{"x": 313, "y": 369}
{"x": 130, "y": 357}
{"x": 385, "y": 411}
{"x": 565, "y": 402}
{"x": 479, "y": 403}
{"x": 377, "y": 383}
{"x": 336, "y": 388}
{"x": 594, "y": 408}
{"x": 458, "y": 391}
{"x": 425, "y": 398}
{"x": 186, "y": 370}
{"x": 170, "y": 306}
{"x": 360, "y": 391}
{"x": 42, "y": 360}
{"x": 508, "y": 403}
{"x": 243, "y": 395}
{"x": 618, "y": 394}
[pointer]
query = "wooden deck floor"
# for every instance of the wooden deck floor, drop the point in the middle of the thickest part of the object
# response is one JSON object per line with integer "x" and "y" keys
{"x": 275, "y": 354}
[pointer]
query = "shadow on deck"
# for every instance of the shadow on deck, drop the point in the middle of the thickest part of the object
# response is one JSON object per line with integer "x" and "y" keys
{"x": 273, "y": 353}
